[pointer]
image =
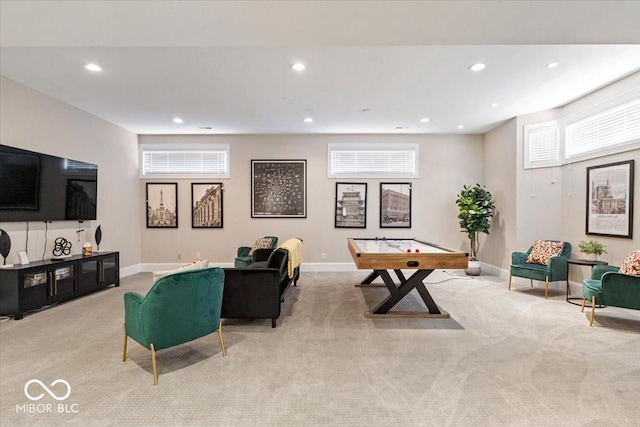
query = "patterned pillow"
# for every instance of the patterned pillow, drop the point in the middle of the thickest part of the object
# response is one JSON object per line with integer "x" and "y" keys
{"x": 263, "y": 243}
{"x": 631, "y": 264}
{"x": 543, "y": 250}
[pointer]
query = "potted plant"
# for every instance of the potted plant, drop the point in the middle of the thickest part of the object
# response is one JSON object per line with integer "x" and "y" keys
{"x": 592, "y": 248}
{"x": 476, "y": 210}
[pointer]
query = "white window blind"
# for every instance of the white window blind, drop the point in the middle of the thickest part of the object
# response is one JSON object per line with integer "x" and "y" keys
{"x": 373, "y": 161}
{"x": 165, "y": 162}
{"x": 542, "y": 145}
{"x": 615, "y": 126}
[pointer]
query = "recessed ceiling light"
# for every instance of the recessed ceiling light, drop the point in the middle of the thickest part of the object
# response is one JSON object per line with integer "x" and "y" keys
{"x": 93, "y": 67}
{"x": 477, "y": 67}
{"x": 177, "y": 120}
{"x": 460, "y": 127}
{"x": 298, "y": 66}
{"x": 493, "y": 104}
{"x": 308, "y": 119}
{"x": 424, "y": 120}
{"x": 552, "y": 65}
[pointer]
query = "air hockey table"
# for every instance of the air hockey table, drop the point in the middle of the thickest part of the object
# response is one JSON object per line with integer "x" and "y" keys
{"x": 383, "y": 255}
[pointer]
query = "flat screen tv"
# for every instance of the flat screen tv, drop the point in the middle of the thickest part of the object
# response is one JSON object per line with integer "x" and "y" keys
{"x": 41, "y": 187}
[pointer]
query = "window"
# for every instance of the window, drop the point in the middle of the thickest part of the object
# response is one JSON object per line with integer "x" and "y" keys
{"x": 541, "y": 145}
{"x": 372, "y": 160}
{"x": 607, "y": 128}
{"x": 612, "y": 126}
{"x": 184, "y": 161}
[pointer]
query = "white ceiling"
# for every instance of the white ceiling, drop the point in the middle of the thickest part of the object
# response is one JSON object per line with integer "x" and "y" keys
{"x": 226, "y": 65}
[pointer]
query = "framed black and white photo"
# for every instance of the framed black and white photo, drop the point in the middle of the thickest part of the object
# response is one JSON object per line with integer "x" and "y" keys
{"x": 278, "y": 188}
{"x": 610, "y": 199}
{"x": 395, "y": 205}
{"x": 162, "y": 205}
{"x": 206, "y": 205}
{"x": 351, "y": 205}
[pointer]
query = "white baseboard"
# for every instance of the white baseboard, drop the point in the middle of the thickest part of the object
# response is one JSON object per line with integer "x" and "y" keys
{"x": 130, "y": 270}
{"x": 327, "y": 266}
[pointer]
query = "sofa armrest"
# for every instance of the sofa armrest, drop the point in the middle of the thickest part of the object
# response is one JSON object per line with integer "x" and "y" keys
{"x": 251, "y": 293}
{"x": 243, "y": 251}
{"x": 621, "y": 290}
{"x": 262, "y": 254}
{"x": 133, "y": 317}
{"x": 519, "y": 257}
{"x": 558, "y": 267}
{"x": 598, "y": 270}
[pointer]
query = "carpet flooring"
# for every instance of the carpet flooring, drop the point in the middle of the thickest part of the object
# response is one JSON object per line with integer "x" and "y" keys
{"x": 502, "y": 359}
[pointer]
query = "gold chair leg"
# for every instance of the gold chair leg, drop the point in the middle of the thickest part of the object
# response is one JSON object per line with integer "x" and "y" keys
{"x": 583, "y": 302}
{"x": 153, "y": 364}
{"x": 124, "y": 351}
{"x": 220, "y": 334}
{"x": 510, "y": 281}
{"x": 593, "y": 309}
{"x": 546, "y": 287}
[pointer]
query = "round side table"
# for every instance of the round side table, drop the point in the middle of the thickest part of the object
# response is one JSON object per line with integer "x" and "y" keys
{"x": 576, "y": 261}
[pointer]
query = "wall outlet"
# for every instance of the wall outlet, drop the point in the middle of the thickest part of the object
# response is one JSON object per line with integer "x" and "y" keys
{"x": 197, "y": 255}
{"x": 324, "y": 256}
{"x": 179, "y": 256}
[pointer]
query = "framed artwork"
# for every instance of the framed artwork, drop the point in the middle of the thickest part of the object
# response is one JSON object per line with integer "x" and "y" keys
{"x": 162, "y": 205}
{"x": 278, "y": 188}
{"x": 395, "y": 205}
{"x": 206, "y": 205}
{"x": 610, "y": 199}
{"x": 351, "y": 205}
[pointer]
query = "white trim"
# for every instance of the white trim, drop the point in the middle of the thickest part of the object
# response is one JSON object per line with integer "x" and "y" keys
{"x": 130, "y": 270}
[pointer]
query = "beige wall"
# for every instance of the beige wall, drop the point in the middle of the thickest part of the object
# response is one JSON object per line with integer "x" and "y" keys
{"x": 548, "y": 203}
{"x": 34, "y": 121}
{"x": 446, "y": 163}
{"x": 500, "y": 180}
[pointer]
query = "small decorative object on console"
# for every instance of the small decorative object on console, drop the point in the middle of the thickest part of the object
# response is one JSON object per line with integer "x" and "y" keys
{"x": 5, "y": 245}
{"x": 98, "y": 237}
{"x": 86, "y": 249}
{"x": 62, "y": 247}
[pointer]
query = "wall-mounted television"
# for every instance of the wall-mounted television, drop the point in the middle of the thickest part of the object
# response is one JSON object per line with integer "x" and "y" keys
{"x": 40, "y": 187}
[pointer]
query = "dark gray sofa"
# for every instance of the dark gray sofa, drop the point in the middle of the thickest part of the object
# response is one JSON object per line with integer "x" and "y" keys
{"x": 256, "y": 292}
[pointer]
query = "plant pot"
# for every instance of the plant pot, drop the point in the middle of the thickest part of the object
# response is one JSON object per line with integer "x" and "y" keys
{"x": 590, "y": 257}
{"x": 474, "y": 268}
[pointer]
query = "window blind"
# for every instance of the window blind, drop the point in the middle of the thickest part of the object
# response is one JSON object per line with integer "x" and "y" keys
{"x": 614, "y": 127}
{"x": 184, "y": 163}
{"x": 373, "y": 162}
{"x": 542, "y": 145}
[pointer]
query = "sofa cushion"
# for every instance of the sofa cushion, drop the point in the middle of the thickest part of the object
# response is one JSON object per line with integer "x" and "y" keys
{"x": 262, "y": 243}
{"x": 543, "y": 250}
{"x": 631, "y": 263}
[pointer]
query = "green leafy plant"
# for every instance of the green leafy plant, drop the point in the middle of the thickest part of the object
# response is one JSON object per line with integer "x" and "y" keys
{"x": 592, "y": 247}
{"x": 476, "y": 210}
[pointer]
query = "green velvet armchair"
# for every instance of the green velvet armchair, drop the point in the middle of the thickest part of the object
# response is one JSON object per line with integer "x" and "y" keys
{"x": 244, "y": 260}
{"x": 179, "y": 308}
{"x": 608, "y": 287}
{"x": 556, "y": 269}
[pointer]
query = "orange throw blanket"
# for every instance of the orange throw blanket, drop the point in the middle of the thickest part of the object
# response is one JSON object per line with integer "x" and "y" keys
{"x": 294, "y": 246}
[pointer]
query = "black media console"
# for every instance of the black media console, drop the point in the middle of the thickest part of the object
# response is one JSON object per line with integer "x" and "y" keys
{"x": 40, "y": 283}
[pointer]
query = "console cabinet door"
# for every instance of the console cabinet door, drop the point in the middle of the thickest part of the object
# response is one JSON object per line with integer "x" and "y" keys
{"x": 88, "y": 276}
{"x": 34, "y": 288}
{"x": 63, "y": 282}
{"x": 109, "y": 270}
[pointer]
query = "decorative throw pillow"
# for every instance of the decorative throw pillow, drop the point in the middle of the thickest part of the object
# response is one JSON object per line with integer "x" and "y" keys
{"x": 263, "y": 243}
{"x": 631, "y": 264}
{"x": 204, "y": 263}
{"x": 543, "y": 250}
